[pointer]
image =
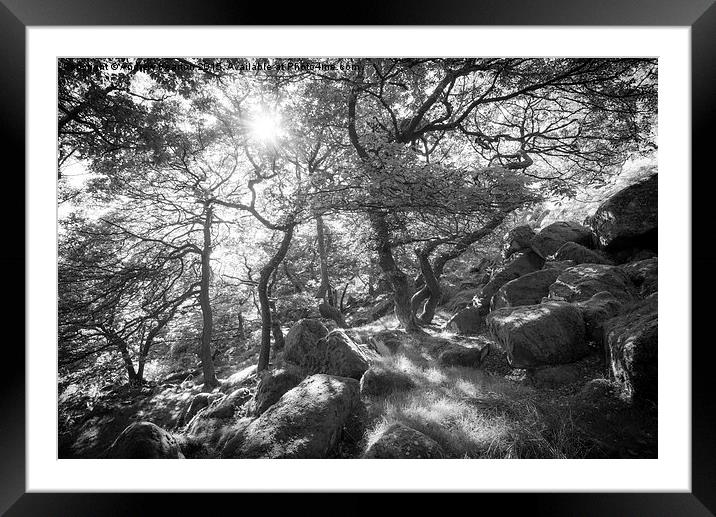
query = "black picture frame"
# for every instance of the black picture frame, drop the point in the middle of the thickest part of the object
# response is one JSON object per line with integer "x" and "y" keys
{"x": 699, "y": 15}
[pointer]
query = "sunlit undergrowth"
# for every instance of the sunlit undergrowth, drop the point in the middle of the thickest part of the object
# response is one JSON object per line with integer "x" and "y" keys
{"x": 473, "y": 414}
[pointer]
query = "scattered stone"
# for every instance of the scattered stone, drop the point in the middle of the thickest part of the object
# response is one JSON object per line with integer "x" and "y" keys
{"x": 632, "y": 341}
{"x": 538, "y": 335}
{"x": 579, "y": 283}
{"x": 528, "y": 289}
{"x": 144, "y": 440}
{"x": 380, "y": 381}
{"x": 402, "y": 442}
{"x": 306, "y": 422}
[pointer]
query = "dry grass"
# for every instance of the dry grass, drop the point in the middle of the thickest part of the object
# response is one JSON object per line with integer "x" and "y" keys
{"x": 471, "y": 413}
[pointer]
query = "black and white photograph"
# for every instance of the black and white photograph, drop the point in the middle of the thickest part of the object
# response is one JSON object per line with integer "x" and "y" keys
{"x": 357, "y": 258}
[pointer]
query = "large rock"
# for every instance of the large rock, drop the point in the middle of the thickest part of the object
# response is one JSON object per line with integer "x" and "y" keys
{"x": 528, "y": 289}
{"x": 457, "y": 355}
{"x": 629, "y": 219}
{"x": 579, "y": 283}
{"x": 379, "y": 381}
{"x": 302, "y": 339}
{"x": 144, "y": 440}
{"x": 310, "y": 345}
{"x": 537, "y": 335}
{"x": 227, "y": 406}
{"x": 644, "y": 274}
{"x": 306, "y": 422}
{"x": 401, "y": 442}
{"x": 343, "y": 357}
{"x": 560, "y": 265}
{"x": 469, "y": 320}
{"x": 553, "y": 236}
{"x": 579, "y": 254}
{"x": 272, "y": 387}
{"x": 632, "y": 341}
{"x": 596, "y": 311}
{"x": 517, "y": 239}
{"x": 521, "y": 264}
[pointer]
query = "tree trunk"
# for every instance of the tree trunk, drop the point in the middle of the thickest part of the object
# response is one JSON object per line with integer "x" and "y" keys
{"x": 124, "y": 351}
{"x": 278, "y": 342}
{"x": 324, "y": 291}
{"x": 210, "y": 380}
{"x": 395, "y": 276}
{"x": 241, "y": 333}
{"x": 432, "y": 273}
{"x": 264, "y": 302}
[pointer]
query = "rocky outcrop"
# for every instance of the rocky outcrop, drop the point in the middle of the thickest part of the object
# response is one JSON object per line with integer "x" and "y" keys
{"x": 596, "y": 311}
{"x": 629, "y": 219}
{"x": 342, "y": 357}
{"x": 521, "y": 264}
{"x": 144, "y": 440}
{"x": 579, "y": 283}
{"x": 644, "y": 274}
{"x": 402, "y": 442}
{"x": 632, "y": 340}
{"x": 517, "y": 239}
{"x": 538, "y": 335}
{"x": 306, "y": 422}
{"x": 579, "y": 254}
{"x": 380, "y": 381}
{"x": 528, "y": 289}
{"x": 457, "y": 355}
{"x": 560, "y": 265}
{"x": 552, "y": 237}
{"x": 272, "y": 387}
{"x": 469, "y": 320}
{"x": 311, "y": 346}
{"x": 227, "y": 406}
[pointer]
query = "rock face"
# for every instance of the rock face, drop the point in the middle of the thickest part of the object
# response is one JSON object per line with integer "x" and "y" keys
{"x": 379, "y": 381}
{"x": 517, "y": 239}
{"x": 520, "y": 265}
{"x": 144, "y": 440}
{"x": 548, "y": 241}
{"x": 469, "y": 320}
{"x": 457, "y": 355}
{"x": 199, "y": 402}
{"x": 310, "y": 345}
{"x": 596, "y": 311}
{"x": 302, "y": 340}
{"x": 272, "y": 387}
{"x": 632, "y": 341}
{"x": 306, "y": 422}
{"x": 629, "y": 219}
{"x": 579, "y": 283}
{"x": 402, "y": 442}
{"x": 560, "y": 265}
{"x": 579, "y": 254}
{"x": 528, "y": 289}
{"x": 462, "y": 299}
{"x": 644, "y": 274}
{"x": 538, "y": 335}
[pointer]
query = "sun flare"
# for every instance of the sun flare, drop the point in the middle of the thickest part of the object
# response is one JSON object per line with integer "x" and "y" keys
{"x": 266, "y": 127}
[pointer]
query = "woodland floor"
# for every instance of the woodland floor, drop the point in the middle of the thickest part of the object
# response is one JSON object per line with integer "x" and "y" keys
{"x": 492, "y": 412}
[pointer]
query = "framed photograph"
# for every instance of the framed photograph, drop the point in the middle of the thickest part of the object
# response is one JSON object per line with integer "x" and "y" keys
{"x": 279, "y": 250}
